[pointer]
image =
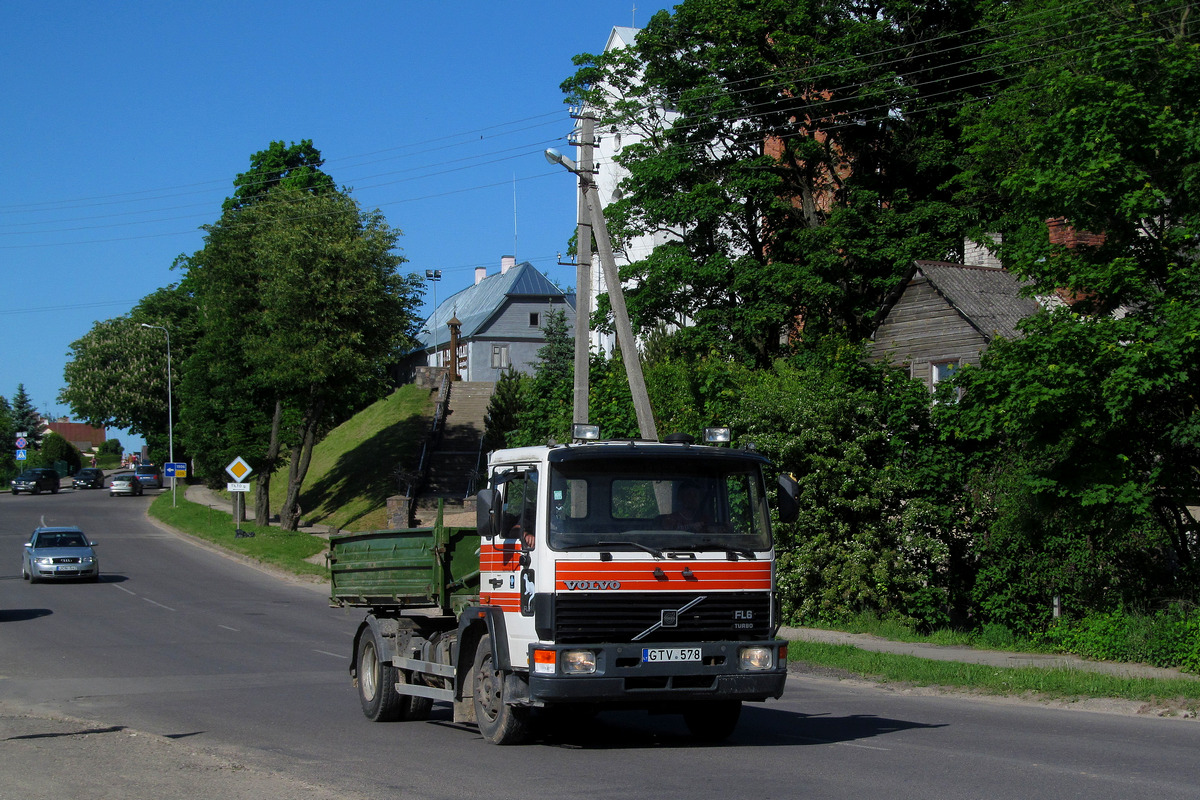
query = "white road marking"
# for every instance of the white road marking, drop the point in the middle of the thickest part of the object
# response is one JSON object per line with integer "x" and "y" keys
{"x": 226, "y": 627}
{"x": 335, "y": 655}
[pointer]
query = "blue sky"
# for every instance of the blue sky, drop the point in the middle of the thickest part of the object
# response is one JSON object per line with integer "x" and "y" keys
{"x": 124, "y": 125}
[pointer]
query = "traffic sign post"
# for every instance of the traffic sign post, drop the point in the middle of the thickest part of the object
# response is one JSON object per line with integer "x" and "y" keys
{"x": 20, "y": 455}
{"x": 239, "y": 470}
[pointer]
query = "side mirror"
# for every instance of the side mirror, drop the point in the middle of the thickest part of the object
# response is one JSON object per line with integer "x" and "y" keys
{"x": 487, "y": 513}
{"x": 789, "y": 499}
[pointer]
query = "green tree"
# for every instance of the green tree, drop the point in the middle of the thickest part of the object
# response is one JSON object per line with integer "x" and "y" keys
{"x": 294, "y": 166}
{"x": 56, "y": 448}
{"x": 301, "y": 311}
{"x": 547, "y": 406}
{"x": 881, "y": 523}
{"x": 1085, "y": 434}
{"x": 503, "y": 411}
{"x": 795, "y": 151}
{"x": 7, "y": 434}
{"x": 116, "y": 375}
{"x": 25, "y": 417}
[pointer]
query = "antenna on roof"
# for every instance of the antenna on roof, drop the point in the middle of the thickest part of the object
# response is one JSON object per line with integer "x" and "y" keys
{"x": 514, "y": 215}
{"x": 633, "y": 17}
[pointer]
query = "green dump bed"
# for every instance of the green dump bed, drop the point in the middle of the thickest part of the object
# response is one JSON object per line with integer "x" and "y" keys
{"x": 414, "y": 568}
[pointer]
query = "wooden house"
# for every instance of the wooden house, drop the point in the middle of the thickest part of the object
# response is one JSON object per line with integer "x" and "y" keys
{"x": 943, "y": 315}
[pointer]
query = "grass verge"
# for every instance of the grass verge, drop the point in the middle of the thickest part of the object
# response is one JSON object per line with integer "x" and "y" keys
{"x": 1041, "y": 682}
{"x": 270, "y": 546}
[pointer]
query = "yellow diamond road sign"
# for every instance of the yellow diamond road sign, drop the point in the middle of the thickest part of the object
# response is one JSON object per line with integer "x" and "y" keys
{"x": 238, "y": 469}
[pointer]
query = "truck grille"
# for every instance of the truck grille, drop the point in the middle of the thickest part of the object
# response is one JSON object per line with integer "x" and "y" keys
{"x": 618, "y": 617}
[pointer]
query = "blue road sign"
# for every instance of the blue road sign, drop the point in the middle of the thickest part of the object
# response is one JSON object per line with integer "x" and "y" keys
{"x": 20, "y": 455}
{"x": 169, "y": 470}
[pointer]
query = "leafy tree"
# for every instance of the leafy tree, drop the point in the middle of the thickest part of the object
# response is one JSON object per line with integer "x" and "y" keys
{"x": 301, "y": 310}
{"x": 111, "y": 447}
{"x": 881, "y": 525}
{"x": 25, "y": 417}
{"x": 7, "y": 434}
{"x": 795, "y": 151}
{"x": 1085, "y": 432}
{"x": 117, "y": 372}
{"x": 294, "y": 166}
{"x": 57, "y": 448}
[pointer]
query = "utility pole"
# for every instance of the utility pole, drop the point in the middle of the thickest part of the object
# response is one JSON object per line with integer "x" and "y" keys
{"x": 616, "y": 296}
{"x": 583, "y": 272}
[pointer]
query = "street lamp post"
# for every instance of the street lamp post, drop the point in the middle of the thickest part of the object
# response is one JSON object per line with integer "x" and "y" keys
{"x": 170, "y": 410}
{"x": 433, "y": 276}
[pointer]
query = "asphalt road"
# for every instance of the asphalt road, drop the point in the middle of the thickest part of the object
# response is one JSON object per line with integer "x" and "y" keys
{"x": 183, "y": 673}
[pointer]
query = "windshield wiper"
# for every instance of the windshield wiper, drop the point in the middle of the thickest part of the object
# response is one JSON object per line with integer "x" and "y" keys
{"x": 654, "y": 551}
{"x": 730, "y": 550}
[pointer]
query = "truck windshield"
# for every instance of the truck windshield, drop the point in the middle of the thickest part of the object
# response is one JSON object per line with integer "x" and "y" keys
{"x": 659, "y": 505}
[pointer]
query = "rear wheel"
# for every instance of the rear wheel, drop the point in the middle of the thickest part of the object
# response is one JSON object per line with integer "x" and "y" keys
{"x": 713, "y": 722}
{"x": 377, "y": 682}
{"x": 499, "y": 722}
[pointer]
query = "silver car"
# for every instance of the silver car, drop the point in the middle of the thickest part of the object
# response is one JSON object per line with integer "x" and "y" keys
{"x": 126, "y": 483}
{"x": 57, "y": 553}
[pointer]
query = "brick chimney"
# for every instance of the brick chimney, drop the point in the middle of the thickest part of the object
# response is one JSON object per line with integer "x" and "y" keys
{"x": 480, "y": 274}
{"x": 507, "y": 263}
{"x": 1061, "y": 233}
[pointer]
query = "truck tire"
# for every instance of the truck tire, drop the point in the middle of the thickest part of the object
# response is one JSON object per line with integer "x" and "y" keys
{"x": 499, "y": 722}
{"x": 377, "y": 683}
{"x": 713, "y": 722}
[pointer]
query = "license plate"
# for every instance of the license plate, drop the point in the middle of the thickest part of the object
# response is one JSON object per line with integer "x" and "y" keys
{"x": 68, "y": 569}
{"x": 656, "y": 654}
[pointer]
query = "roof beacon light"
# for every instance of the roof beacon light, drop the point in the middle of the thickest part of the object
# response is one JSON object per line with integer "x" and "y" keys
{"x": 715, "y": 435}
{"x": 585, "y": 432}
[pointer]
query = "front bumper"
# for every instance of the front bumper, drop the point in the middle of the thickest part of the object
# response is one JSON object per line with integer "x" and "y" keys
{"x": 622, "y": 677}
{"x": 44, "y": 573}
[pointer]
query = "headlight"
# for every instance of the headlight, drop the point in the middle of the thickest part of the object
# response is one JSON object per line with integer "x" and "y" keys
{"x": 44, "y": 561}
{"x": 755, "y": 658}
{"x": 87, "y": 560}
{"x": 578, "y": 662}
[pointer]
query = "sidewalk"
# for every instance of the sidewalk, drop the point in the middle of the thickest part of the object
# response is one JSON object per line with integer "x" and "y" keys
{"x": 970, "y": 655}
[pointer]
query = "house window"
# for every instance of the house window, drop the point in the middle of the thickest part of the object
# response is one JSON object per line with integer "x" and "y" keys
{"x": 499, "y": 356}
{"x": 534, "y": 319}
{"x": 943, "y": 371}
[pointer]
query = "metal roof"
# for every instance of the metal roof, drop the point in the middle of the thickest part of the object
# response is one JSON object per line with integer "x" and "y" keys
{"x": 476, "y": 305}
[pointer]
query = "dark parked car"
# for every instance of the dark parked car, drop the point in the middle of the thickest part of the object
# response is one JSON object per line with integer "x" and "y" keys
{"x": 149, "y": 476}
{"x": 53, "y": 553}
{"x": 89, "y": 478}
{"x": 35, "y": 481}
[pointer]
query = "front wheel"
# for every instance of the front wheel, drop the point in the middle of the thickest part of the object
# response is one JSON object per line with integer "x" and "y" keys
{"x": 377, "y": 683}
{"x": 713, "y": 722}
{"x": 499, "y": 723}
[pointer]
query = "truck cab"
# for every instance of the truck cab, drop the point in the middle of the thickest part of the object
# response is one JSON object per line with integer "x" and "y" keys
{"x": 634, "y": 573}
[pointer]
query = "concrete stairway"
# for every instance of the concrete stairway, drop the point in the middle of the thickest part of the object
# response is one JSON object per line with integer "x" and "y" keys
{"x": 453, "y": 461}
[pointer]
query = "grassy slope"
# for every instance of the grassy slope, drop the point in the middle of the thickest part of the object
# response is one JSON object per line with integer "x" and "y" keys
{"x": 351, "y": 474}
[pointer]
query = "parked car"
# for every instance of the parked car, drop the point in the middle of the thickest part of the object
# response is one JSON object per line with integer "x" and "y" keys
{"x": 55, "y": 553}
{"x": 125, "y": 483}
{"x": 149, "y": 475}
{"x": 89, "y": 478}
{"x": 35, "y": 481}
